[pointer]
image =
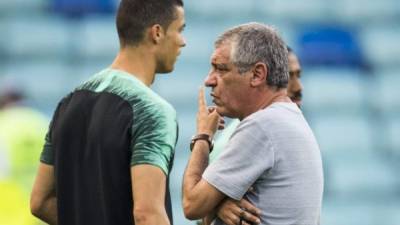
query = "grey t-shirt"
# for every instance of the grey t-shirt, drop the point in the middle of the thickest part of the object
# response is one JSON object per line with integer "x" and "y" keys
{"x": 275, "y": 152}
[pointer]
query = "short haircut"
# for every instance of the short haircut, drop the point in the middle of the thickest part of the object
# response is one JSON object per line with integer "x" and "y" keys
{"x": 255, "y": 42}
{"x": 134, "y": 16}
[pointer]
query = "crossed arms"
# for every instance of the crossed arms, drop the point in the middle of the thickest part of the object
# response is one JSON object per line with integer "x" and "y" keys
{"x": 201, "y": 199}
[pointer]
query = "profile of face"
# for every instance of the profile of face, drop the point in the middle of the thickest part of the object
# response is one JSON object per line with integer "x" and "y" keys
{"x": 294, "y": 88}
{"x": 171, "y": 44}
{"x": 227, "y": 84}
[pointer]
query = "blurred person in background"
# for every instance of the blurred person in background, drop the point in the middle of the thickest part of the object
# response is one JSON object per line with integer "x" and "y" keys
{"x": 229, "y": 210}
{"x": 21, "y": 138}
{"x": 110, "y": 145}
{"x": 273, "y": 150}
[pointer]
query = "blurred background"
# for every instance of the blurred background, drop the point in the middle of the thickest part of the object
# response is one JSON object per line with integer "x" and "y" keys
{"x": 349, "y": 51}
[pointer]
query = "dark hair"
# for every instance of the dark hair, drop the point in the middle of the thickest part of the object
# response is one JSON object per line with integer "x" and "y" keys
{"x": 134, "y": 16}
{"x": 289, "y": 49}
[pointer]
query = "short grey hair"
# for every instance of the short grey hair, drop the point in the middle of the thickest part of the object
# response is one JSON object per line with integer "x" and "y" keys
{"x": 255, "y": 42}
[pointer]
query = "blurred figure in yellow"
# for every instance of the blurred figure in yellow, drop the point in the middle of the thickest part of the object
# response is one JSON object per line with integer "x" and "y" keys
{"x": 21, "y": 139}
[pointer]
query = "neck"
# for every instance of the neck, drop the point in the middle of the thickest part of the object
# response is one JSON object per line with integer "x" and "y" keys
{"x": 267, "y": 98}
{"x": 136, "y": 61}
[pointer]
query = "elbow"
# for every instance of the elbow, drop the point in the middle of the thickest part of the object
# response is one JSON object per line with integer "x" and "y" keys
{"x": 36, "y": 205}
{"x": 149, "y": 216}
{"x": 141, "y": 217}
{"x": 190, "y": 211}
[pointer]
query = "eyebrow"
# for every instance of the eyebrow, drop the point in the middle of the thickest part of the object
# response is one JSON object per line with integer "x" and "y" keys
{"x": 220, "y": 65}
{"x": 295, "y": 72}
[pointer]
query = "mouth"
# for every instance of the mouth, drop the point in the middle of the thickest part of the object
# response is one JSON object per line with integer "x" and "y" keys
{"x": 214, "y": 98}
{"x": 297, "y": 98}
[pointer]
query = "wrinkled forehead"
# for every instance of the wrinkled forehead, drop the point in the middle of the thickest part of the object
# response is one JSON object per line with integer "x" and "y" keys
{"x": 221, "y": 54}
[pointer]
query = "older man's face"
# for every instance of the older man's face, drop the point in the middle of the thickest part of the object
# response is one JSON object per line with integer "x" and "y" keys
{"x": 228, "y": 85}
{"x": 295, "y": 87}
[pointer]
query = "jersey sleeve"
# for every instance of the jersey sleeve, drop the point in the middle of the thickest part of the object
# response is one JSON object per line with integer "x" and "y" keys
{"x": 248, "y": 154}
{"x": 47, "y": 155}
{"x": 154, "y": 136}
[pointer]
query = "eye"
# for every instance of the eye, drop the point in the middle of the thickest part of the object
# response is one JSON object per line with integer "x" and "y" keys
{"x": 221, "y": 68}
{"x": 182, "y": 28}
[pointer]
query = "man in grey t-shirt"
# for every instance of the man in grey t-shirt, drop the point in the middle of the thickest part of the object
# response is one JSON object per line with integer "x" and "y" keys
{"x": 273, "y": 149}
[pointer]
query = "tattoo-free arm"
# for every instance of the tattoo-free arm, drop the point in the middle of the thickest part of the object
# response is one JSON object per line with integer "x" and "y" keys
{"x": 148, "y": 188}
{"x": 199, "y": 197}
{"x": 43, "y": 201}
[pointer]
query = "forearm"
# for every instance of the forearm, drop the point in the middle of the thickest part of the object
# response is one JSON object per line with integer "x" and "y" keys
{"x": 151, "y": 217}
{"x": 200, "y": 197}
{"x": 47, "y": 212}
{"x": 197, "y": 164}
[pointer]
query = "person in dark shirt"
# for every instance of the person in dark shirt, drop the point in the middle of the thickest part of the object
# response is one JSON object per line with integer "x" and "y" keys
{"x": 110, "y": 145}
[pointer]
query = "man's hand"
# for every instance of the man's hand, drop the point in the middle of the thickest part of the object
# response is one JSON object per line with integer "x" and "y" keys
{"x": 208, "y": 120}
{"x": 230, "y": 211}
{"x": 221, "y": 123}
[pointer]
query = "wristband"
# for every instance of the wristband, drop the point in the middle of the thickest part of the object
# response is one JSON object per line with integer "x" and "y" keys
{"x": 205, "y": 137}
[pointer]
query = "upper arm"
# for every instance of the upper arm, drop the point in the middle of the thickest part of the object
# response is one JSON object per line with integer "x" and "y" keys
{"x": 44, "y": 186}
{"x": 148, "y": 189}
{"x": 154, "y": 135}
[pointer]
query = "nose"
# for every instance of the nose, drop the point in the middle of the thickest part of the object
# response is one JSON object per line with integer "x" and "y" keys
{"x": 183, "y": 42}
{"x": 300, "y": 85}
{"x": 297, "y": 85}
{"x": 210, "y": 80}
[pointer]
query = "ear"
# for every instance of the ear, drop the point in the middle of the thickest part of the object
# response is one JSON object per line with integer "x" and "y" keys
{"x": 259, "y": 74}
{"x": 156, "y": 33}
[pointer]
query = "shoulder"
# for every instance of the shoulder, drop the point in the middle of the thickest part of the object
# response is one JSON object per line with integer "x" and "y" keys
{"x": 276, "y": 113}
{"x": 141, "y": 98}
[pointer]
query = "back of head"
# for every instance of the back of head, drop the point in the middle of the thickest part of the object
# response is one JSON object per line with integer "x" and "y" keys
{"x": 254, "y": 42}
{"x": 134, "y": 16}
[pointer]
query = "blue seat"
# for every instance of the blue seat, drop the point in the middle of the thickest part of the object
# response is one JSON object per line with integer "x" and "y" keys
{"x": 349, "y": 11}
{"x": 182, "y": 85}
{"x": 343, "y": 137}
{"x": 360, "y": 177}
{"x": 334, "y": 90}
{"x": 35, "y": 37}
{"x": 296, "y": 10}
{"x": 385, "y": 96}
{"x": 200, "y": 37}
{"x": 22, "y": 7}
{"x": 390, "y": 137}
{"x": 362, "y": 211}
{"x": 100, "y": 38}
{"x": 45, "y": 82}
{"x": 330, "y": 45}
{"x": 386, "y": 53}
{"x": 79, "y": 8}
{"x": 219, "y": 8}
